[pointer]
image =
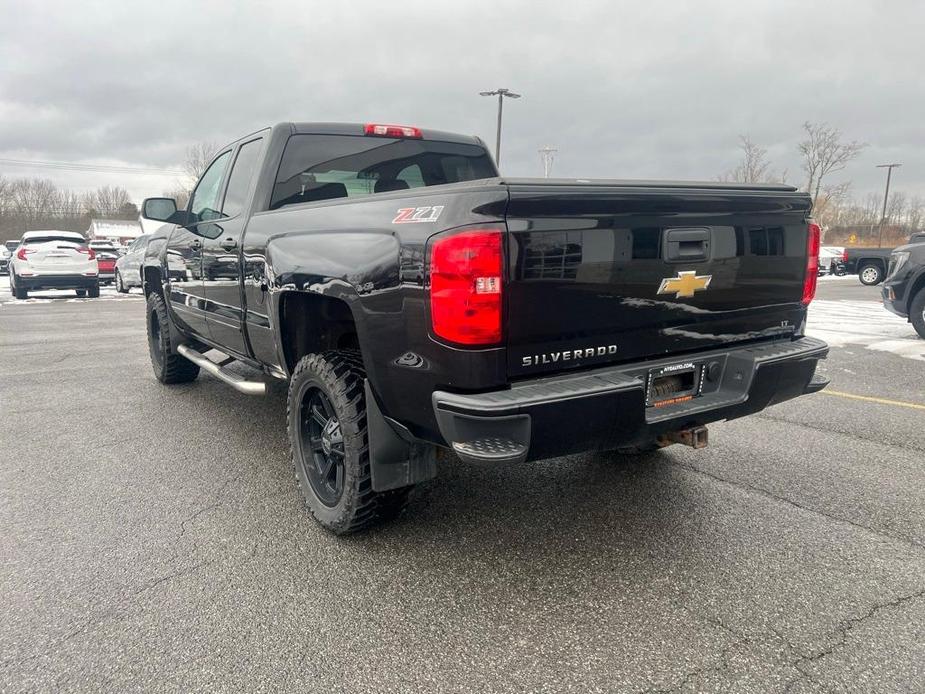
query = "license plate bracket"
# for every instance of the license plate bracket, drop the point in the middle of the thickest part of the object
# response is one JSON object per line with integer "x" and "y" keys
{"x": 672, "y": 384}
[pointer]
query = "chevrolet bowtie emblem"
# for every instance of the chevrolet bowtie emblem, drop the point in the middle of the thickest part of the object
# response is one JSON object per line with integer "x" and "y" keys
{"x": 685, "y": 284}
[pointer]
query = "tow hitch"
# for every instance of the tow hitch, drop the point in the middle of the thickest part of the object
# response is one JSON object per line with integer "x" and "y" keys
{"x": 695, "y": 437}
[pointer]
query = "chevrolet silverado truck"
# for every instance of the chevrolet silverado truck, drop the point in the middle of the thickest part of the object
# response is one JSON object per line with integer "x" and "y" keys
{"x": 416, "y": 301}
{"x": 904, "y": 287}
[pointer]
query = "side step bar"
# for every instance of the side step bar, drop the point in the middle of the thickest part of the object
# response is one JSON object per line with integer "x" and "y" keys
{"x": 234, "y": 380}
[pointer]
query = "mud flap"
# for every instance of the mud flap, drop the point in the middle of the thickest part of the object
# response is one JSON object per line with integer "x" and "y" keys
{"x": 395, "y": 460}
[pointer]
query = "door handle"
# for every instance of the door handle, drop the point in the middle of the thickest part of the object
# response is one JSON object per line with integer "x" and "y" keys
{"x": 195, "y": 244}
{"x": 228, "y": 244}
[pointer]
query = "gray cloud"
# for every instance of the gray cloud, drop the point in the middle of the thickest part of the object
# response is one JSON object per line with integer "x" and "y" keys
{"x": 628, "y": 90}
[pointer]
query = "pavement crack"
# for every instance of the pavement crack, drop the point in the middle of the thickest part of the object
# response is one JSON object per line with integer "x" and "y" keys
{"x": 841, "y": 634}
{"x": 790, "y": 502}
{"x": 846, "y": 434}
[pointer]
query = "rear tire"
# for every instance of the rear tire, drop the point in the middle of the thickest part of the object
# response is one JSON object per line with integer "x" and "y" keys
{"x": 870, "y": 274}
{"x": 917, "y": 312}
{"x": 18, "y": 291}
{"x": 326, "y": 415}
{"x": 120, "y": 287}
{"x": 94, "y": 292}
{"x": 169, "y": 367}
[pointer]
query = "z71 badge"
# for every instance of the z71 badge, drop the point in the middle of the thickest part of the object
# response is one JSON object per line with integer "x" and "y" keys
{"x": 418, "y": 215}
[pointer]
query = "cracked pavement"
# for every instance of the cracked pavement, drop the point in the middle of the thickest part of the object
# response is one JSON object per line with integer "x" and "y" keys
{"x": 154, "y": 539}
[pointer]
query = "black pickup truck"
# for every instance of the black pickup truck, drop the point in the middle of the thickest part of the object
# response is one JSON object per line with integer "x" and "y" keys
{"x": 870, "y": 264}
{"x": 415, "y": 300}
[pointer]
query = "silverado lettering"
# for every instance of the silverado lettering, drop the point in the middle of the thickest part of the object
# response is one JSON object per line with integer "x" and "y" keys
{"x": 482, "y": 317}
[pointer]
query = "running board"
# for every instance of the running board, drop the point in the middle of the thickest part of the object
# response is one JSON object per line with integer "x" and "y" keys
{"x": 234, "y": 380}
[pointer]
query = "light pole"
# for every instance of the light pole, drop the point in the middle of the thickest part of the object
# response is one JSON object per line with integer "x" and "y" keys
{"x": 548, "y": 154}
{"x": 886, "y": 194}
{"x": 500, "y": 93}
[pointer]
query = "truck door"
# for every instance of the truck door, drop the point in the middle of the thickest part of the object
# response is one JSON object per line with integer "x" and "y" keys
{"x": 221, "y": 252}
{"x": 184, "y": 249}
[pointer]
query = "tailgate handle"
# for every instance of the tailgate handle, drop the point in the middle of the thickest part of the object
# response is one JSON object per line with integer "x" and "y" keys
{"x": 684, "y": 245}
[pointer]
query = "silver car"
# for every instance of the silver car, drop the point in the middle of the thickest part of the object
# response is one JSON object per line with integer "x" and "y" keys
{"x": 128, "y": 267}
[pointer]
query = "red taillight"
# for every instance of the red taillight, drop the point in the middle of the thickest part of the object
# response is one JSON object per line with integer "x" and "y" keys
{"x": 812, "y": 262}
{"x": 392, "y": 130}
{"x": 465, "y": 286}
{"x": 88, "y": 251}
{"x": 844, "y": 255}
{"x": 23, "y": 251}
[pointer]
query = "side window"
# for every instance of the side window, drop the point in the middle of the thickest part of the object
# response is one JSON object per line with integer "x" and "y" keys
{"x": 204, "y": 204}
{"x": 412, "y": 176}
{"x": 242, "y": 173}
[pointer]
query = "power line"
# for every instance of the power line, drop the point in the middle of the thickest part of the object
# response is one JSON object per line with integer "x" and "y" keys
{"x": 95, "y": 168}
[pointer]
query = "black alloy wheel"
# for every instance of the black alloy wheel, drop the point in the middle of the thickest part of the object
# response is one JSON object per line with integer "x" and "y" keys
{"x": 323, "y": 444}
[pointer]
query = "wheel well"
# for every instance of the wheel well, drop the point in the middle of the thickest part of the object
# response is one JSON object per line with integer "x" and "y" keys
{"x": 919, "y": 286}
{"x": 151, "y": 280}
{"x": 312, "y": 323}
{"x": 864, "y": 262}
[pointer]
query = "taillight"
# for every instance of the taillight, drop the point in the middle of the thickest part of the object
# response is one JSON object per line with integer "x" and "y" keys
{"x": 89, "y": 251}
{"x": 812, "y": 262}
{"x": 844, "y": 255}
{"x": 392, "y": 130}
{"x": 23, "y": 252}
{"x": 465, "y": 286}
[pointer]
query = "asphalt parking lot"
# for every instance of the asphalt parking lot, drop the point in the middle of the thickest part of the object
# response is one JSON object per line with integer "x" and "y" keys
{"x": 153, "y": 538}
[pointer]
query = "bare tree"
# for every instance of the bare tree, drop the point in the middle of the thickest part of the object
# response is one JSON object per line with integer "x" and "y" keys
{"x": 198, "y": 157}
{"x": 829, "y": 208}
{"x": 754, "y": 166}
{"x": 896, "y": 207}
{"x": 824, "y": 152}
{"x": 915, "y": 215}
{"x": 107, "y": 201}
{"x": 34, "y": 199}
{"x": 180, "y": 194}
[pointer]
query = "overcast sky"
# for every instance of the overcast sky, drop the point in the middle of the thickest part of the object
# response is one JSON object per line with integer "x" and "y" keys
{"x": 623, "y": 90}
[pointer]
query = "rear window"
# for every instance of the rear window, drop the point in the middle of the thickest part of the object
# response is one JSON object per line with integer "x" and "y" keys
{"x": 12, "y": 245}
{"x": 53, "y": 237}
{"x": 325, "y": 167}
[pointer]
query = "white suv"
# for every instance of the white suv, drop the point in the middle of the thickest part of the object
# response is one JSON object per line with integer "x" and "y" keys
{"x": 54, "y": 260}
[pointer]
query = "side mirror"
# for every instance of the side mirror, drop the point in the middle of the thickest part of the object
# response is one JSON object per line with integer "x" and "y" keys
{"x": 159, "y": 209}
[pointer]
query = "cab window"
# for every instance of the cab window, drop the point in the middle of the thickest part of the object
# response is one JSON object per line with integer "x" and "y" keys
{"x": 204, "y": 205}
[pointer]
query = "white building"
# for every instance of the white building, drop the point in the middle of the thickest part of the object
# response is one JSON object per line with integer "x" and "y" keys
{"x": 122, "y": 231}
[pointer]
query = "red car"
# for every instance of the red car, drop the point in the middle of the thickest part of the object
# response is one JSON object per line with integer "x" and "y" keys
{"x": 107, "y": 253}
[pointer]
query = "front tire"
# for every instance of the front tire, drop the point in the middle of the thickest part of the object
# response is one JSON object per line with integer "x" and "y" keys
{"x": 120, "y": 287}
{"x": 917, "y": 312}
{"x": 328, "y": 437}
{"x": 169, "y": 367}
{"x": 870, "y": 275}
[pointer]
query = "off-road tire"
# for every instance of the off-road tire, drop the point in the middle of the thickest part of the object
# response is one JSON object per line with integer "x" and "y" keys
{"x": 169, "y": 367}
{"x": 94, "y": 292}
{"x": 120, "y": 286}
{"x": 873, "y": 276}
{"x": 339, "y": 375}
{"x": 917, "y": 312}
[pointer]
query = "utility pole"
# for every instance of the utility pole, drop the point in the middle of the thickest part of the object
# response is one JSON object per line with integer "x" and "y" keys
{"x": 500, "y": 93}
{"x": 889, "y": 171}
{"x": 548, "y": 154}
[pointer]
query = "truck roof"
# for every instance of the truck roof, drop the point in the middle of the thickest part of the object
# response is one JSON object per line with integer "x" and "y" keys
{"x": 357, "y": 129}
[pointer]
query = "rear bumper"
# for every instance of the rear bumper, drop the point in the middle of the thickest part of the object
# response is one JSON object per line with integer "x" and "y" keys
{"x": 607, "y": 408}
{"x": 57, "y": 281}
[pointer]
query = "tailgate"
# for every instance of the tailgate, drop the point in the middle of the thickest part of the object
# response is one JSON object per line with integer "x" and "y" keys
{"x": 605, "y": 273}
